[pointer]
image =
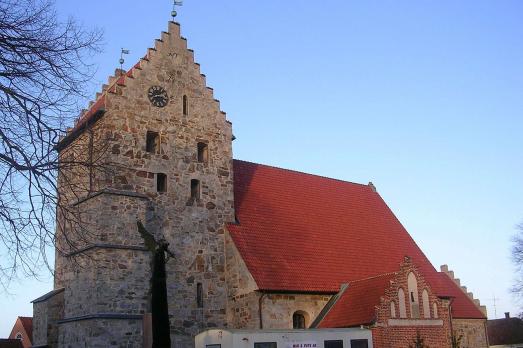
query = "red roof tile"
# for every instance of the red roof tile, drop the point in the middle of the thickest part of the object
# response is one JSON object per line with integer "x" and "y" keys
{"x": 306, "y": 233}
{"x": 357, "y": 304}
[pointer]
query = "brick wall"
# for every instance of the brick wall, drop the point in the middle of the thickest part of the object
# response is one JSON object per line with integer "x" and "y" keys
{"x": 398, "y": 332}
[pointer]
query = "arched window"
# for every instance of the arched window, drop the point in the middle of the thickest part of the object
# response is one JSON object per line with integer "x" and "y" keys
{"x": 426, "y": 306}
{"x": 401, "y": 299}
{"x": 185, "y": 105}
{"x": 298, "y": 320}
{"x": 413, "y": 295}
{"x": 435, "y": 309}
{"x": 392, "y": 309}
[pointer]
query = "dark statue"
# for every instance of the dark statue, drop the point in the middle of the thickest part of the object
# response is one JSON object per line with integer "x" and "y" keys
{"x": 159, "y": 308}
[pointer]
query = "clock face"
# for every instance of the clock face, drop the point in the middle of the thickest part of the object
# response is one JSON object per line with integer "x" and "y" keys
{"x": 158, "y": 96}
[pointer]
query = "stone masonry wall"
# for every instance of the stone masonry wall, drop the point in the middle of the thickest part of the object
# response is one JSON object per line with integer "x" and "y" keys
{"x": 116, "y": 280}
{"x": 45, "y": 320}
{"x": 241, "y": 304}
{"x": 277, "y": 309}
{"x": 389, "y": 332}
{"x": 107, "y": 272}
{"x": 101, "y": 333}
{"x": 473, "y": 332}
{"x": 40, "y": 318}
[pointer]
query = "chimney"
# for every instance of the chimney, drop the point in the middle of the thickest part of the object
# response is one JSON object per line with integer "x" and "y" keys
{"x": 507, "y": 315}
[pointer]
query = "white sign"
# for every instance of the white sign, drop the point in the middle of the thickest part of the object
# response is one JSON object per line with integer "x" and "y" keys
{"x": 307, "y": 344}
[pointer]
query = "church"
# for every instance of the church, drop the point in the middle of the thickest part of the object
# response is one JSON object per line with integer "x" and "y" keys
{"x": 250, "y": 246}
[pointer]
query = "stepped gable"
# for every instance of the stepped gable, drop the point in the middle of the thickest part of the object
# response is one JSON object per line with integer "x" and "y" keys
{"x": 305, "y": 233}
{"x": 463, "y": 307}
{"x": 450, "y": 274}
{"x": 116, "y": 86}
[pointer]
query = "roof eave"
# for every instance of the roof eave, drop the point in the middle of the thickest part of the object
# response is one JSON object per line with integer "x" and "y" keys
{"x": 77, "y": 131}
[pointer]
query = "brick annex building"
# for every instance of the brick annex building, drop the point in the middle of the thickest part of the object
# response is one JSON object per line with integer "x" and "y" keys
{"x": 255, "y": 246}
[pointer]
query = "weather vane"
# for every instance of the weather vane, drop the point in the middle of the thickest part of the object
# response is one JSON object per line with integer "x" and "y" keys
{"x": 175, "y": 3}
{"x": 124, "y": 51}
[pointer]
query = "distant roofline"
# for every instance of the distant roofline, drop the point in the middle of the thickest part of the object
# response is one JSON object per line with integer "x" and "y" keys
{"x": 297, "y": 291}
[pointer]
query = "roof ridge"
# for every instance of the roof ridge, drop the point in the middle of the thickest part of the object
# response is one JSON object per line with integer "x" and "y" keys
{"x": 301, "y": 172}
{"x": 373, "y": 277}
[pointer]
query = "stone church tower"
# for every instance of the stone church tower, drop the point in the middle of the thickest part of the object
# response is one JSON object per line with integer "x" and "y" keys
{"x": 162, "y": 151}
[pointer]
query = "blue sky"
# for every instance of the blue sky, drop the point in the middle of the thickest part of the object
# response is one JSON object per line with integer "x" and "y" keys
{"x": 424, "y": 98}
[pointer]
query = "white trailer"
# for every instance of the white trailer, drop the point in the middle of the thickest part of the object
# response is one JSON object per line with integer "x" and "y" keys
{"x": 311, "y": 338}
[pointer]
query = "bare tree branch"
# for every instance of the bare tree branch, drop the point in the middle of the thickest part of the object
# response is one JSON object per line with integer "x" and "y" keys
{"x": 43, "y": 71}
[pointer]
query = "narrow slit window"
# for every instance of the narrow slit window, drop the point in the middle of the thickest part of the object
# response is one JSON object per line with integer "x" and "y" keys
{"x": 199, "y": 295}
{"x": 161, "y": 182}
{"x": 203, "y": 153}
{"x": 152, "y": 142}
{"x": 195, "y": 189}
{"x": 185, "y": 105}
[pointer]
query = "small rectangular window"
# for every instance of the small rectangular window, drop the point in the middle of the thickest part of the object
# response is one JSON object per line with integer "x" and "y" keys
{"x": 265, "y": 345}
{"x": 161, "y": 182}
{"x": 199, "y": 295}
{"x": 213, "y": 346}
{"x": 333, "y": 344}
{"x": 203, "y": 153}
{"x": 195, "y": 189}
{"x": 152, "y": 142}
{"x": 185, "y": 105}
{"x": 359, "y": 343}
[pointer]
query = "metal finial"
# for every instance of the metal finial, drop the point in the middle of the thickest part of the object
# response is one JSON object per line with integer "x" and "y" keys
{"x": 175, "y": 3}
{"x": 124, "y": 51}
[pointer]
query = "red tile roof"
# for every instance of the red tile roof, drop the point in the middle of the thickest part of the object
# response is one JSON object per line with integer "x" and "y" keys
{"x": 305, "y": 233}
{"x": 357, "y": 304}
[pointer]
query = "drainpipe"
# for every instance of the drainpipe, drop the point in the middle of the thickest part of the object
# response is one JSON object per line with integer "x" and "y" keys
{"x": 486, "y": 332}
{"x": 450, "y": 319}
{"x": 260, "y": 309}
